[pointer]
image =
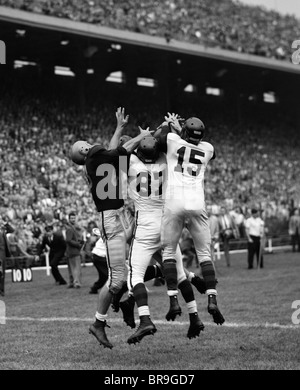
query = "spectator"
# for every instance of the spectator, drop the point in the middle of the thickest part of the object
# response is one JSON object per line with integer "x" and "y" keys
{"x": 74, "y": 241}
{"x": 89, "y": 242}
{"x": 239, "y": 220}
{"x": 214, "y": 228}
{"x": 228, "y": 231}
{"x": 36, "y": 129}
{"x": 228, "y": 25}
{"x": 56, "y": 242}
{"x": 294, "y": 229}
{"x": 255, "y": 232}
{"x": 187, "y": 249}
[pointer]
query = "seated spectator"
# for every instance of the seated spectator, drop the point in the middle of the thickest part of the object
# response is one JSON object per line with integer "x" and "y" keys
{"x": 228, "y": 24}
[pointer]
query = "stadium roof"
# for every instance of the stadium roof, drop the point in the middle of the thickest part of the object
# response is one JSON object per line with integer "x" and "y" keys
{"x": 22, "y": 18}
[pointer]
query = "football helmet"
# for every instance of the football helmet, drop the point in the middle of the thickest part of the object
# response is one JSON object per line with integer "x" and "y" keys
{"x": 148, "y": 150}
{"x": 125, "y": 138}
{"x": 163, "y": 127}
{"x": 78, "y": 152}
{"x": 193, "y": 130}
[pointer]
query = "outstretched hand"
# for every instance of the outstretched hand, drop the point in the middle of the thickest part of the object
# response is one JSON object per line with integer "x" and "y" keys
{"x": 146, "y": 132}
{"x": 173, "y": 121}
{"x": 122, "y": 120}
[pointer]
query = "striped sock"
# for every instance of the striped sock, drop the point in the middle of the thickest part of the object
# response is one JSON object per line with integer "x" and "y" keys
{"x": 192, "y": 307}
{"x": 209, "y": 275}
{"x": 100, "y": 318}
{"x": 170, "y": 273}
{"x": 187, "y": 291}
{"x": 153, "y": 271}
{"x": 140, "y": 295}
{"x": 143, "y": 311}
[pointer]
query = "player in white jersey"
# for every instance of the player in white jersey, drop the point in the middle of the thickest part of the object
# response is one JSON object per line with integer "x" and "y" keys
{"x": 147, "y": 180}
{"x": 187, "y": 159}
{"x": 154, "y": 271}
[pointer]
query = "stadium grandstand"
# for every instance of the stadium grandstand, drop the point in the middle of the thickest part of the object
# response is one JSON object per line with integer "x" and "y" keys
{"x": 69, "y": 65}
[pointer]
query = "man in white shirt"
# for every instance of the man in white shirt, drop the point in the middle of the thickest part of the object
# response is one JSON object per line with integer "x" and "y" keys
{"x": 254, "y": 232}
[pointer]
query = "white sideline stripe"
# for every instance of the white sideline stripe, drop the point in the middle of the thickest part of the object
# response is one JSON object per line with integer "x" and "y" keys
{"x": 159, "y": 322}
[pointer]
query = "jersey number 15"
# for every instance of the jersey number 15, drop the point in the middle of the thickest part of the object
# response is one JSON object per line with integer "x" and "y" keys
{"x": 192, "y": 159}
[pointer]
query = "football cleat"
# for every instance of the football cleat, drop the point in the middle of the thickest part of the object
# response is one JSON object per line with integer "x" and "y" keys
{"x": 127, "y": 308}
{"x": 196, "y": 326}
{"x": 145, "y": 328}
{"x": 175, "y": 309}
{"x": 214, "y": 311}
{"x": 99, "y": 333}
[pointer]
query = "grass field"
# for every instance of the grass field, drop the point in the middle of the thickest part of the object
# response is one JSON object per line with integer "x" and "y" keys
{"x": 47, "y": 325}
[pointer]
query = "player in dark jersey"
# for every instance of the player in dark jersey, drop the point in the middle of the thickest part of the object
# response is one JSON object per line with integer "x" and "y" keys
{"x": 104, "y": 169}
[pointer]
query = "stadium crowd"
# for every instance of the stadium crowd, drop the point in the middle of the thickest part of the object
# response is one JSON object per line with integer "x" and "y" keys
{"x": 41, "y": 186}
{"x": 228, "y": 24}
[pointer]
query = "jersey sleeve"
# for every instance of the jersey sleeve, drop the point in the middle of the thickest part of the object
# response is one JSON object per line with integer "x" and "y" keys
{"x": 209, "y": 149}
{"x": 108, "y": 156}
{"x": 163, "y": 138}
{"x": 214, "y": 155}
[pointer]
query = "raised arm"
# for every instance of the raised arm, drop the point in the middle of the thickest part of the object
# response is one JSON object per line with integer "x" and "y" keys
{"x": 122, "y": 122}
{"x": 132, "y": 144}
{"x": 173, "y": 121}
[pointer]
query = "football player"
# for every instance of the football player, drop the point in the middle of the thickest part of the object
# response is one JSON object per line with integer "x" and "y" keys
{"x": 103, "y": 169}
{"x": 147, "y": 174}
{"x": 154, "y": 271}
{"x": 187, "y": 157}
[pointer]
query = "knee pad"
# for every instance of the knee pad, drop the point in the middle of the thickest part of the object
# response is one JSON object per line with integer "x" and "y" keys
{"x": 114, "y": 286}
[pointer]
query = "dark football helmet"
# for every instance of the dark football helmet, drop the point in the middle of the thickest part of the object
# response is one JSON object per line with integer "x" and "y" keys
{"x": 125, "y": 138}
{"x": 148, "y": 150}
{"x": 193, "y": 130}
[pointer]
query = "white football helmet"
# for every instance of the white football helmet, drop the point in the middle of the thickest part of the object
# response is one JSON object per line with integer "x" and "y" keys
{"x": 78, "y": 152}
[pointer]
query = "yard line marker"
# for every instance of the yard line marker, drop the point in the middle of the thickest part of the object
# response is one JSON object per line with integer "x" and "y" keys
{"x": 158, "y": 322}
